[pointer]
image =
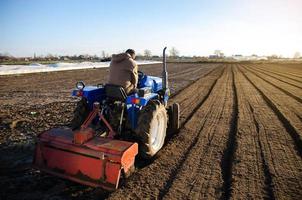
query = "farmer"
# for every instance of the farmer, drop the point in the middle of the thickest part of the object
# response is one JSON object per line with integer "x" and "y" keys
{"x": 123, "y": 71}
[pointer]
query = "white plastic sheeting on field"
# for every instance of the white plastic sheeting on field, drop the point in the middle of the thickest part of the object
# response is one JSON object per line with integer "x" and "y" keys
{"x": 36, "y": 67}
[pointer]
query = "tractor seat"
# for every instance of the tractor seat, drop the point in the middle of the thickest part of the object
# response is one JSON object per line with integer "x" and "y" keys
{"x": 115, "y": 92}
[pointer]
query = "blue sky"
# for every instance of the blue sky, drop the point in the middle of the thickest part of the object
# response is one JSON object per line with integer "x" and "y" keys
{"x": 194, "y": 27}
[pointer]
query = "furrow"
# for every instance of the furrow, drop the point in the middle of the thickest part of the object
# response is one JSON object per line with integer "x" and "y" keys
{"x": 283, "y": 75}
{"x": 193, "y": 82}
{"x": 186, "y": 101}
{"x": 269, "y": 187}
{"x": 200, "y": 176}
{"x": 280, "y": 163}
{"x": 289, "y": 70}
{"x": 33, "y": 183}
{"x": 228, "y": 154}
{"x": 275, "y": 77}
{"x": 297, "y": 98}
{"x": 290, "y": 108}
{"x": 286, "y": 123}
{"x": 248, "y": 174}
{"x": 146, "y": 181}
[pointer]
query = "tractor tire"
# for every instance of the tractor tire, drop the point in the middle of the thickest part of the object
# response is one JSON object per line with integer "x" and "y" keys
{"x": 81, "y": 112}
{"x": 151, "y": 129}
{"x": 174, "y": 114}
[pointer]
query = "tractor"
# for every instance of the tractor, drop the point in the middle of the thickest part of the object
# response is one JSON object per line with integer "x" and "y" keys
{"x": 108, "y": 131}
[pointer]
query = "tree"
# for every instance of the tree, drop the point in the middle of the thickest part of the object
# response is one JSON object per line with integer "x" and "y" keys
{"x": 174, "y": 52}
{"x": 104, "y": 54}
{"x": 49, "y": 56}
{"x": 147, "y": 53}
{"x": 297, "y": 55}
{"x": 273, "y": 56}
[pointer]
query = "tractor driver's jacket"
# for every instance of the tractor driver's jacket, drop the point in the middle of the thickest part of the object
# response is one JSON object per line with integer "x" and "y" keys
{"x": 123, "y": 72}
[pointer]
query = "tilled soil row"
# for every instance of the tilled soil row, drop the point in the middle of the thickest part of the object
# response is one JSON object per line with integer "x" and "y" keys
{"x": 27, "y": 113}
{"x": 288, "y": 69}
{"x": 20, "y": 120}
{"x": 291, "y": 91}
{"x": 282, "y": 72}
{"x": 274, "y": 153}
{"x": 251, "y": 175}
{"x": 43, "y": 88}
{"x": 189, "y": 99}
{"x": 35, "y": 185}
{"x": 187, "y": 149}
{"x": 278, "y": 77}
{"x": 186, "y": 75}
{"x": 205, "y": 172}
{"x": 240, "y": 135}
{"x": 287, "y": 107}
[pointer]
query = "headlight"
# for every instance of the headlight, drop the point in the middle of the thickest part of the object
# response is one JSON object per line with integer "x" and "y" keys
{"x": 80, "y": 85}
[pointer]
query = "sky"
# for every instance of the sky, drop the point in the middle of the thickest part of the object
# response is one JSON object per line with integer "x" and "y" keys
{"x": 193, "y": 27}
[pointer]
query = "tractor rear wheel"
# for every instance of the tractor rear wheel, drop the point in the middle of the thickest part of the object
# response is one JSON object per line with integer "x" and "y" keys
{"x": 151, "y": 129}
{"x": 81, "y": 112}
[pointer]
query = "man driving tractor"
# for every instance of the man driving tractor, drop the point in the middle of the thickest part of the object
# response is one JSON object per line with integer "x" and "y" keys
{"x": 123, "y": 71}
{"x": 109, "y": 129}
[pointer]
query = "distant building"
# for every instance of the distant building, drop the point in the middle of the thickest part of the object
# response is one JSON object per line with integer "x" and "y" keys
{"x": 213, "y": 57}
{"x": 240, "y": 57}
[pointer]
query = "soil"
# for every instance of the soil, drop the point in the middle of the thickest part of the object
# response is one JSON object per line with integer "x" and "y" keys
{"x": 240, "y": 135}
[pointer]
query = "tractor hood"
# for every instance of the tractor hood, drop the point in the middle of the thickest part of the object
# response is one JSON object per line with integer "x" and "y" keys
{"x": 155, "y": 83}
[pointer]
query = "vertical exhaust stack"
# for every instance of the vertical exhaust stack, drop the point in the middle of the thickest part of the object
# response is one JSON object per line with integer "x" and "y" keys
{"x": 165, "y": 73}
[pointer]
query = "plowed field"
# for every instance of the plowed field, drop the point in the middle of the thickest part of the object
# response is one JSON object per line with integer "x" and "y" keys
{"x": 240, "y": 136}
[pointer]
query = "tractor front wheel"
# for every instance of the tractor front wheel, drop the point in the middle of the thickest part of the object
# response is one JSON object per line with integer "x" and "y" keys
{"x": 151, "y": 129}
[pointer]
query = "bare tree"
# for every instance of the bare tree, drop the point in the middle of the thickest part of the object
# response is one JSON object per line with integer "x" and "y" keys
{"x": 147, "y": 53}
{"x": 49, "y": 56}
{"x": 104, "y": 54}
{"x": 174, "y": 52}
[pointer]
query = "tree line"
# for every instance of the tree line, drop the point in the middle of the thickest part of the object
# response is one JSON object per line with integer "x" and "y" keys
{"x": 147, "y": 54}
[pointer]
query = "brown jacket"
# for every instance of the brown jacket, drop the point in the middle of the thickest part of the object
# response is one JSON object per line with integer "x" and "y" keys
{"x": 123, "y": 71}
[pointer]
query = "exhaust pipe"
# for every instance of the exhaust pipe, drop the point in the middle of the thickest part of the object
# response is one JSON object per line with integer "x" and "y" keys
{"x": 165, "y": 73}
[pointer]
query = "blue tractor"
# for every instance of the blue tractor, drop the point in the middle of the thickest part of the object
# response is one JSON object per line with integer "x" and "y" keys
{"x": 142, "y": 117}
{"x": 109, "y": 129}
